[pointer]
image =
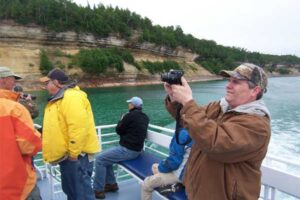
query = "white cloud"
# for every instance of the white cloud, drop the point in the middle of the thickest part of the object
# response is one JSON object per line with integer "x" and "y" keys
{"x": 266, "y": 26}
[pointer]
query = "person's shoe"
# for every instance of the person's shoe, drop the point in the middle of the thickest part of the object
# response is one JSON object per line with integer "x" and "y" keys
{"x": 99, "y": 194}
{"x": 111, "y": 187}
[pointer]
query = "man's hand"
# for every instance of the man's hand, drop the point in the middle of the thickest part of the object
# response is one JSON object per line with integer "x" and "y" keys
{"x": 168, "y": 90}
{"x": 180, "y": 93}
{"x": 122, "y": 116}
{"x": 155, "y": 168}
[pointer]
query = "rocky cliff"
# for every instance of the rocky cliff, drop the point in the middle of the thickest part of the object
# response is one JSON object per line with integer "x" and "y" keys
{"x": 20, "y": 47}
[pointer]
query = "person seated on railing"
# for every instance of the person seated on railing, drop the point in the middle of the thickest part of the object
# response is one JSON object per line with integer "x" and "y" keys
{"x": 19, "y": 143}
{"x": 69, "y": 134}
{"x": 132, "y": 129}
{"x": 230, "y": 136}
{"x": 170, "y": 170}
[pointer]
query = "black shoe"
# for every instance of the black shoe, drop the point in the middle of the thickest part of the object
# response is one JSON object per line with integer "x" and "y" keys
{"x": 111, "y": 187}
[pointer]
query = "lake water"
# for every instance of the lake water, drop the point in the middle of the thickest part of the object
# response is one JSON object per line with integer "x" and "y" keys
{"x": 282, "y": 99}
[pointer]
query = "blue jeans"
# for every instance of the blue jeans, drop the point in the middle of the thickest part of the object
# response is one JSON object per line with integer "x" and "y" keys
{"x": 76, "y": 178}
{"x": 104, "y": 173}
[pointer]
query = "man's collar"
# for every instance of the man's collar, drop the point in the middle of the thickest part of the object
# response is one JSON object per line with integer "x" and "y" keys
{"x": 7, "y": 94}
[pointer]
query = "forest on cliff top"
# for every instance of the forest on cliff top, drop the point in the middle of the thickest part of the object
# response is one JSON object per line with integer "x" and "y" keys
{"x": 64, "y": 15}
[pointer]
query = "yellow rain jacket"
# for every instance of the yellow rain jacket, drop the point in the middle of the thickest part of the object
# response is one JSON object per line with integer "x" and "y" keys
{"x": 68, "y": 128}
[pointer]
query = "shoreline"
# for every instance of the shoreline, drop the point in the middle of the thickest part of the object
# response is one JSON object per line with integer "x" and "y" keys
{"x": 105, "y": 83}
{"x": 140, "y": 83}
{"x": 283, "y": 75}
{"x": 102, "y": 83}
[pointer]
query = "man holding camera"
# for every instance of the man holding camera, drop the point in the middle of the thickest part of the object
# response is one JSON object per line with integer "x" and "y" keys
{"x": 230, "y": 136}
{"x": 27, "y": 100}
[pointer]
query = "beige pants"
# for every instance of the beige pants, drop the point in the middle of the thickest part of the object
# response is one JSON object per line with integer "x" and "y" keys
{"x": 154, "y": 181}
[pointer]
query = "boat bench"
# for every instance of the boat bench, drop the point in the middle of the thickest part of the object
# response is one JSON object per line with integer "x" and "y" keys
{"x": 140, "y": 168}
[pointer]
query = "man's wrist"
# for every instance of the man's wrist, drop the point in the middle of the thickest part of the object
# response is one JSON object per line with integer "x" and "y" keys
{"x": 187, "y": 101}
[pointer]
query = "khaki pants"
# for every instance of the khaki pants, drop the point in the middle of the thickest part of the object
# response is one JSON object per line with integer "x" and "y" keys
{"x": 154, "y": 181}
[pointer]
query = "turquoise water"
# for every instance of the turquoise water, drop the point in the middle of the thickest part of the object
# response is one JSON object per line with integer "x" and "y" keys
{"x": 282, "y": 100}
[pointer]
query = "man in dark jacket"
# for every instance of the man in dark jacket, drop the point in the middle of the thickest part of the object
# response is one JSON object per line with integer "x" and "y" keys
{"x": 132, "y": 129}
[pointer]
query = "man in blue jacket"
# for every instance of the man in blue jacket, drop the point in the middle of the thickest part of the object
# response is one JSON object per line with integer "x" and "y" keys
{"x": 171, "y": 169}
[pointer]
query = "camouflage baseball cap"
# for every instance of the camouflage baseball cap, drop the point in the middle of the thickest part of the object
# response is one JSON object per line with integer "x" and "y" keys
{"x": 250, "y": 72}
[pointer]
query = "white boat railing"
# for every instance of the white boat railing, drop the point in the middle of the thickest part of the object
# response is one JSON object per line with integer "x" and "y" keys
{"x": 276, "y": 183}
{"x": 280, "y": 175}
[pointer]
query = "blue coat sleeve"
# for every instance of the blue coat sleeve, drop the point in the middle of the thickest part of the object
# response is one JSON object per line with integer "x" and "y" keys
{"x": 173, "y": 161}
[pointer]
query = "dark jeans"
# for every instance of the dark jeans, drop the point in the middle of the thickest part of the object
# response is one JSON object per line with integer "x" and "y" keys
{"x": 76, "y": 178}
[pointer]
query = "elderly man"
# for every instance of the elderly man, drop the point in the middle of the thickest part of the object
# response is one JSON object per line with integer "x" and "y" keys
{"x": 132, "y": 129}
{"x": 69, "y": 134}
{"x": 19, "y": 143}
{"x": 230, "y": 136}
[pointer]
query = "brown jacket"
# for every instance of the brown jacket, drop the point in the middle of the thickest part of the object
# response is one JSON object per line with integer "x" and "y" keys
{"x": 227, "y": 153}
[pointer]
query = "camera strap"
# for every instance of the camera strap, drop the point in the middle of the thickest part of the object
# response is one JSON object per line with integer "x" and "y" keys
{"x": 179, "y": 127}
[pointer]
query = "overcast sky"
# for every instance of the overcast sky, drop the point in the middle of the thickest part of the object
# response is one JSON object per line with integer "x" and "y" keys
{"x": 265, "y": 26}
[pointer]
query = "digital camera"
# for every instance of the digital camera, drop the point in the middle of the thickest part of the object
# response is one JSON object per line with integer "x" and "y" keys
{"x": 33, "y": 97}
{"x": 172, "y": 77}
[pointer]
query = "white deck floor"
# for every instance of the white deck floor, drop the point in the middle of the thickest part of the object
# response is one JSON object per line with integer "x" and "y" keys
{"x": 128, "y": 190}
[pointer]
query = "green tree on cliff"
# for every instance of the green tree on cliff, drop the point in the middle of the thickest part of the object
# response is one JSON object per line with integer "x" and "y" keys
{"x": 45, "y": 64}
{"x": 64, "y": 15}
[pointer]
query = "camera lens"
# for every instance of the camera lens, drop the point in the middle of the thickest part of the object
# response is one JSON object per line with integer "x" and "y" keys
{"x": 164, "y": 77}
{"x": 172, "y": 77}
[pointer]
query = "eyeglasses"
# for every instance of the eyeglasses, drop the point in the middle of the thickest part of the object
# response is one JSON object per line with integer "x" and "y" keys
{"x": 46, "y": 82}
{"x": 54, "y": 83}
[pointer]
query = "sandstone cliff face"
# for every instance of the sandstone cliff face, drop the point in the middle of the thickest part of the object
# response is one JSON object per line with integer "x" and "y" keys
{"x": 20, "y": 47}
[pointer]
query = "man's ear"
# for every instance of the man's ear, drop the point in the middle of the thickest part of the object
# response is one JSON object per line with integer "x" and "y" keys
{"x": 256, "y": 90}
{"x": 55, "y": 81}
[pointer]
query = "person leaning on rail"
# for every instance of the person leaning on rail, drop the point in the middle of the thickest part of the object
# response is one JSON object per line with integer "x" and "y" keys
{"x": 230, "y": 136}
{"x": 19, "y": 143}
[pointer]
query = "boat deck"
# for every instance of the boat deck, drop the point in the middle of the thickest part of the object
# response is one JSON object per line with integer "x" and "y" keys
{"x": 128, "y": 190}
{"x": 280, "y": 177}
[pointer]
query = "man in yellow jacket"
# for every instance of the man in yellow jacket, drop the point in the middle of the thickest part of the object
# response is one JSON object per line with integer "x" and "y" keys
{"x": 69, "y": 134}
{"x": 18, "y": 144}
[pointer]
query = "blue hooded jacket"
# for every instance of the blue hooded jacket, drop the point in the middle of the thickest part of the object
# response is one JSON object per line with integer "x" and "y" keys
{"x": 178, "y": 154}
